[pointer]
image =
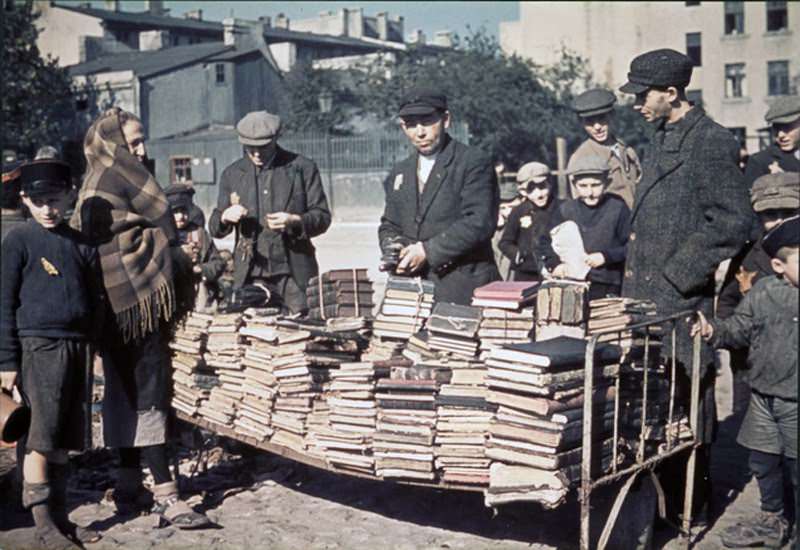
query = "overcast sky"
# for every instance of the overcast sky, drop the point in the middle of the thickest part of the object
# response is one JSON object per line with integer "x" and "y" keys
{"x": 428, "y": 16}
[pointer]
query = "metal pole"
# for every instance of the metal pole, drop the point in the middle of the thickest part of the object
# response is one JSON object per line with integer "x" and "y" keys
{"x": 330, "y": 168}
{"x": 694, "y": 413}
{"x": 586, "y": 450}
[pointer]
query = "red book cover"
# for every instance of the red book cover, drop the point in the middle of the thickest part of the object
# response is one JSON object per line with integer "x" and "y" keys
{"x": 506, "y": 290}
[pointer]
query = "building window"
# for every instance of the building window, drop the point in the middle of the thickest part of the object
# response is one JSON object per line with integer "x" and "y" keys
{"x": 777, "y": 17}
{"x": 734, "y": 80}
{"x": 219, "y": 71}
{"x": 778, "y": 77}
{"x": 740, "y": 133}
{"x": 695, "y": 97}
{"x": 693, "y": 48}
{"x": 689, "y": 4}
{"x": 734, "y": 17}
{"x": 180, "y": 169}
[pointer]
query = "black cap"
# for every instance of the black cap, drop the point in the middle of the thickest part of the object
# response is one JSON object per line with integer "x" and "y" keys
{"x": 45, "y": 176}
{"x": 786, "y": 233}
{"x": 594, "y": 102}
{"x": 661, "y": 68}
{"x": 422, "y": 101}
{"x": 180, "y": 195}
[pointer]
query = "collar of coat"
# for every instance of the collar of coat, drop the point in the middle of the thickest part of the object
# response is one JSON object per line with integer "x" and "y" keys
{"x": 282, "y": 158}
{"x": 674, "y": 134}
{"x": 437, "y": 176}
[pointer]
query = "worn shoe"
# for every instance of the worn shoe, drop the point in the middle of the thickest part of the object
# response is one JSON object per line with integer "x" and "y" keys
{"x": 130, "y": 495}
{"x": 36, "y": 498}
{"x": 173, "y": 511}
{"x": 59, "y": 475}
{"x": 766, "y": 529}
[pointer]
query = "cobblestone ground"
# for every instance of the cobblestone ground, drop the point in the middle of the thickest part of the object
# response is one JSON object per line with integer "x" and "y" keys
{"x": 261, "y": 501}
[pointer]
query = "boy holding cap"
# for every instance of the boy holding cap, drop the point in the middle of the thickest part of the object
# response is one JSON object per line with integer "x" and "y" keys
{"x": 595, "y": 109}
{"x": 604, "y": 223}
{"x": 766, "y": 323}
{"x": 529, "y": 221}
{"x": 50, "y": 299}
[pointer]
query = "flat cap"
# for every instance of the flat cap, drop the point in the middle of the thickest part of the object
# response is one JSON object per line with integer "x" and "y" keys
{"x": 45, "y": 176}
{"x": 785, "y": 109}
{"x": 580, "y": 165}
{"x": 533, "y": 171}
{"x": 258, "y": 128}
{"x": 179, "y": 195}
{"x": 774, "y": 191}
{"x": 786, "y": 233}
{"x": 422, "y": 101}
{"x": 660, "y": 68}
{"x": 594, "y": 102}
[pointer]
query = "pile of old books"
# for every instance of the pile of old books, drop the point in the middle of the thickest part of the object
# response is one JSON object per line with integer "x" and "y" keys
{"x": 192, "y": 380}
{"x": 462, "y": 422}
{"x": 502, "y": 326}
{"x": 561, "y": 309}
{"x": 406, "y": 305}
{"x": 453, "y": 329}
{"x": 613, "y": 316}
{"x": 538, "y": 389}
{"x": 513, "y": 295}
{"x": 223, "y": 355}
{"x": 254, "y": 414}
{"x": 340, "y": 293}
{"x": 406, "y": 424}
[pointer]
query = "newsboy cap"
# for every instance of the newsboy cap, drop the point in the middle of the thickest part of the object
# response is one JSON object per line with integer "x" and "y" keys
{"x": 258, "y": 128}
{"x": 422, "y": 101}
{"x": 785, "y": 109}
{"x": 594, "y": 102}
{"x": 661, "y": 68}
{"x": 179, "y": 195}
{"x": 45, "y": 176}
{"x": 584, "y": 165}
{"x": 774, "y": 191}
{"x": 786, "y": 233}
{"x": 533, "y": 171}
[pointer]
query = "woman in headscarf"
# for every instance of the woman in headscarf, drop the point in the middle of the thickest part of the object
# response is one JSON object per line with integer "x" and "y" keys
{"x": 123, "y": 211}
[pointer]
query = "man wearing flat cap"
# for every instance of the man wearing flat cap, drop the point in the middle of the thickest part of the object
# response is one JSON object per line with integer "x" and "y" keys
{"x": 595, "y": 109}
{"x": 690, "y": 212}
{"x": 441, "y": 203}
{"x": 783, "y": 155}
{"x": 275, "y": 202}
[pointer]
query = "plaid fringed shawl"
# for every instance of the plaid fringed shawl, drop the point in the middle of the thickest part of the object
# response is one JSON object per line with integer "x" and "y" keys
{"x": 124, "y": 212}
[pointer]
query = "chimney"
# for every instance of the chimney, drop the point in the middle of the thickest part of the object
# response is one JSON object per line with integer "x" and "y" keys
{"x": 382, "y": 22}
{"x": 194, "y": 14}
{"x": 111, "y": 5}
{"x": 153, "y": 40}
{"x": 281, "y": 22}
{"x": 444, "y": 39}
{"x": 234, "y": 31}
{"x": 417, "y": 37}
{"x": 265, "y": 20}
{"x": 154, "y": 7}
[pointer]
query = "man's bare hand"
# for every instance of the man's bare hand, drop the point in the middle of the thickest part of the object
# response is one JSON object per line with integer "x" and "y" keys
{"x": 595, "y": 260}
{"x": 702, "y": 326}
{"x": 281, "y": 221}
{"x": 233, "y": 214}
{"x": 412, "y": 258}
{"x": 7, "y": 380}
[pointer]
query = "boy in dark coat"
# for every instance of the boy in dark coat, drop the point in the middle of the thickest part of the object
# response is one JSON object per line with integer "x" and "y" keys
{"x": 50, "y": 296}
{"x": 528, "y": 222}
{"x": 207, "y": 265}
{"x": 603, "y": 221}
{"x": 766, "y": 323}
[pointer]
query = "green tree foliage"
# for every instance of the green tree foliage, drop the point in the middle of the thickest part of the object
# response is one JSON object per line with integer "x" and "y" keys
{"x": 304, "y": 85}
{"x": 37, "y": 97}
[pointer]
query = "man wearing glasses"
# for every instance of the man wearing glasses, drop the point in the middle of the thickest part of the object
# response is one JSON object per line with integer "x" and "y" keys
{"x": 441, "y": 203}
{"x": 275, "y": 202}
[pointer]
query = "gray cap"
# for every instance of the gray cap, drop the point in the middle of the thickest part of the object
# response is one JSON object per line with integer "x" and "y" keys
{"x": 776, "y": 191}
{"x": 594, "y": 102}
{"x": 258, "y": 128}
{"x": 661, "y": 68}
{"x": 785, "y": 109}
{"x": 786, "y": 233}
{"x": 584, "y": 165}
{"x": 533, "y": 171}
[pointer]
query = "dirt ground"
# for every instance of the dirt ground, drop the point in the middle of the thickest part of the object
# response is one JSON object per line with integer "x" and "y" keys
{"x": 261, "y": 501}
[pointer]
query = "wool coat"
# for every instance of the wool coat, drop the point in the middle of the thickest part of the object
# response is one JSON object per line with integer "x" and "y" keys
{"x": 296, "y": 188}
{"x": 526, "y": 225}
{"x": 454, "y": 217}
{"x": 691, "y": 211}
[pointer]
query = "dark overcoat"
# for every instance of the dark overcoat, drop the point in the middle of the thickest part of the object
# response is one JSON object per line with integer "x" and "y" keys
{"x": 455, "y": 218}
{"x": 297, "y": 189}
{"x": 691, "y": 211}
{"x": 767, "y": 161}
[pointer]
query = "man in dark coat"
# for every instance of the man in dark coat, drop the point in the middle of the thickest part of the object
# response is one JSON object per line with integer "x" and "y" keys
{"x": 274, "y": 200}
{"x": 691, "y": 211}
{"x": 784, "y": 154}
{"x": 441, "y": 204}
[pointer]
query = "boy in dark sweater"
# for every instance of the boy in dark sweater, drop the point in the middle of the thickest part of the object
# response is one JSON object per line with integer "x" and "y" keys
{"x": 603, "y": 220}
{"x": 49, "y": 296}
{"x": 766, "y": 322}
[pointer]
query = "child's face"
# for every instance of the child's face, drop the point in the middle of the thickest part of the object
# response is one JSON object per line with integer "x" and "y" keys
{"x": 772, "y": 217}
{"x": 48, "y": 209}
{"x": 789, "y": 268}
{"x": 539, "y": 193}
{"x": 590, "y": 189}
{"x": 181, "y": 217}
{"x": 597, "y": 127}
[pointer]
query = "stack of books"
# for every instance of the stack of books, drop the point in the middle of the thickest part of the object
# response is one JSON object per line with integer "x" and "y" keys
{"x": 340, "y": 293}
{"x": 406, "y": 304}
{"x": 462, "y": 423}
{"x": 561, "y": 309}
{"x": 538, "y": 390}
{"x": 513, "y": 295}
{"x": 254, "y": 414}
{"x": 405, "y": 430}
{"x": 501, "y": 326}
{"x": 192, "y": 380}
{"x": 453, "y": 329}
{"x": 223, "y": 354}
{"x": 617, "y": 314}
{"x": 317, "y": 422}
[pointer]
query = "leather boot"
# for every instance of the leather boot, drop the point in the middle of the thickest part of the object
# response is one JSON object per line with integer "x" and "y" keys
{"x": 59, "y": 475}
{"x": 130, "y": 496}
{"x": 36, "y": 497}
{"x": 174, "y": 511}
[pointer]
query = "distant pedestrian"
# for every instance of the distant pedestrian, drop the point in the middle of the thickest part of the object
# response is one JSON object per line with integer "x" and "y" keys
{"x": 11, "y": 214}
{"x": 509, "y": 199}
